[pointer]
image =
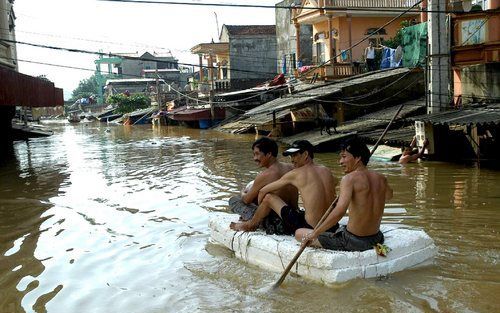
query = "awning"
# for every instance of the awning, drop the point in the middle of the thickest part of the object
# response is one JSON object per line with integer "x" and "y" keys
{"x": 488, "y": 114}
{"x": 18, "y": 89}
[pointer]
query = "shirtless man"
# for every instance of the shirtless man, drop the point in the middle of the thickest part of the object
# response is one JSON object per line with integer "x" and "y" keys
{"x": 315, "y": 184}
{"x": 407, "y": 153}
{"x": 362, "y": 191}
{"x": 265, "y": 152}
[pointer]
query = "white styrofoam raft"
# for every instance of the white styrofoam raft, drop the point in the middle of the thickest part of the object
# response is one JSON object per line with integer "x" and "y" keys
{"x": 408, "y": 249}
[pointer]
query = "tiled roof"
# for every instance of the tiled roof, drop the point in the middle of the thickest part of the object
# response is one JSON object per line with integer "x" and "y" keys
{"x": 251, "y": 29}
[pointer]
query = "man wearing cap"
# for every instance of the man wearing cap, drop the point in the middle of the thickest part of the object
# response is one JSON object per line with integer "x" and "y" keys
{"x": 316, "y": 186}
{"x": 364, "y": 192}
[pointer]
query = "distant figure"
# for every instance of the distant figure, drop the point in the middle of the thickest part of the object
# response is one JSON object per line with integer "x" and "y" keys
{"x": 370, "y": 56}
{"x": 325, "y": 123}
{"x": 410, "y": 154}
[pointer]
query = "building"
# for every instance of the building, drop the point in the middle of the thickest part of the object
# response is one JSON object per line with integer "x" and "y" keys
{"x": 475, "y": 54}
{"x": 340, "y": 25}
{"x": 17, "y": 89}
{"x": 286, "y": 39}
{"x": 244, "y": 57}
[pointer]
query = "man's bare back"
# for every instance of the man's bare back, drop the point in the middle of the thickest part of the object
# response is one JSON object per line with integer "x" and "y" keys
{"x": 369, "y": 192}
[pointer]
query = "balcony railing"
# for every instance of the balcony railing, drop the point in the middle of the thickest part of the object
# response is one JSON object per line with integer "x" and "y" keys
{"x": 369, "y": 3}
{"x": 222, "y": 84}
{"x": 346, "y": 4}
{"x": 335, "y": 71}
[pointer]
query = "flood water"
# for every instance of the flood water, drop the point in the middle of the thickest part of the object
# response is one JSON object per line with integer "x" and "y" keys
{"x": 114, "y": 219}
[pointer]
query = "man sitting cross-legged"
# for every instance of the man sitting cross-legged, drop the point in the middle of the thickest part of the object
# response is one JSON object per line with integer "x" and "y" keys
{"x": 316, "y": 186}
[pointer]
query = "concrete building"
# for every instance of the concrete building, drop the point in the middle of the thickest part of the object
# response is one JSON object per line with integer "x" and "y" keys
{"x": 252, "y": 54}
{"x": 244, "y": 58}
{"x": 340, "y": 25}
{"x": 475, "y": 54}
{"x": 133, "y": 64}
{"x": 286, "y": 39}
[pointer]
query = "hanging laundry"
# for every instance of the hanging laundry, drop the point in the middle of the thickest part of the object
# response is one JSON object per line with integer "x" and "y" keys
{"x": 343, "y": 55}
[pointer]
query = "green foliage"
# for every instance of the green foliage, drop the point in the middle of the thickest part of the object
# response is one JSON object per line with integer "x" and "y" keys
{"x": 85, "y": 89}
{"x": 397, "y": 40}
{"x": 126, "y": 104}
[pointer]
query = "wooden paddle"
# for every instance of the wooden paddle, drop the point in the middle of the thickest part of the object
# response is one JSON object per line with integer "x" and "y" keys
{"x": 329, "y": 210}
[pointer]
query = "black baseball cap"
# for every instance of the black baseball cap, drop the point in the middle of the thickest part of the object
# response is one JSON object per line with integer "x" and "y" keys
{"x": 299, "y": 146}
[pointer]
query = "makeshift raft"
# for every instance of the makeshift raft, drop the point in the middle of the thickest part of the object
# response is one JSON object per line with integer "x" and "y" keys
{"x": 409, "y": 248}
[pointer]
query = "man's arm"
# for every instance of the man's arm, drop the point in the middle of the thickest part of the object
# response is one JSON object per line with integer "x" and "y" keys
{"x": 286, "y": 179}
{"x": 251, "y": 195}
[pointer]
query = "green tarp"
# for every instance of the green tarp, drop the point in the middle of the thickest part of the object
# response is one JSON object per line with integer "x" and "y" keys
{"x": 414, "y": 45}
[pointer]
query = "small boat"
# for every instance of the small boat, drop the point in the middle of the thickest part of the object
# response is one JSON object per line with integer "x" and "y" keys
{"x": 408, "y": 248}
{"x": 74, "y": 117}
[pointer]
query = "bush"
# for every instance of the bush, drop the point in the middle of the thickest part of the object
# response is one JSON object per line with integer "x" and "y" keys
{"x": 126, "y": 104}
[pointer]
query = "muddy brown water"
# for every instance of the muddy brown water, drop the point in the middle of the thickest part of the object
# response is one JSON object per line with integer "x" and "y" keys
{"x": 99, "y": 218}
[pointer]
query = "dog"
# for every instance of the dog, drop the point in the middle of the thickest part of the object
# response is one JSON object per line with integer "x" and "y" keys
{"x": 326, "y": 123}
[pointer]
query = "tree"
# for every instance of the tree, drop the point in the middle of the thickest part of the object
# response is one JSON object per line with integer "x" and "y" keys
{"x": 128, "y": 104}
{"x": 86, "y": 88}
{"x": 397, "y": 40}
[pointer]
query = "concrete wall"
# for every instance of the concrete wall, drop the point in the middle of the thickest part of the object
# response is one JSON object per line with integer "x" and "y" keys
{"x": 252, "y": 60}
{"x": 286, "y": 39}
{"x": 479, "y": 82}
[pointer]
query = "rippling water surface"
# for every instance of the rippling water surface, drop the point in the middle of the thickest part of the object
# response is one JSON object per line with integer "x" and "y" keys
{"x": 114, "y": 219}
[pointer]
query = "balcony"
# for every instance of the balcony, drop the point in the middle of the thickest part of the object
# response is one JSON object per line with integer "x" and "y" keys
{"x": 334, "y": 71}
{"x": 340, "y": 7}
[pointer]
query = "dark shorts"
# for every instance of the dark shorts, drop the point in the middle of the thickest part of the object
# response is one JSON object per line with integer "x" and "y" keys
{"x": 272, "y": 223}
{"x": 343, "y": 240}
{"x": 294, "y": 219}
{"x": 246, "y": 211}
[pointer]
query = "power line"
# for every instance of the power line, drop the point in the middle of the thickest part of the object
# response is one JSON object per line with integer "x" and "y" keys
{"x": 124, "y": 57}
{"x": 263, "y": 6}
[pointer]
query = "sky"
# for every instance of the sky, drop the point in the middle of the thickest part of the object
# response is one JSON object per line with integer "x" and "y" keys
{"x": 115, "y": 27}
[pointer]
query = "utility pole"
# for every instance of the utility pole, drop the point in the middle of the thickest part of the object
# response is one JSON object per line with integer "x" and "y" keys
{"x": 158, "y": 94}
{"x": 439, "y": 57}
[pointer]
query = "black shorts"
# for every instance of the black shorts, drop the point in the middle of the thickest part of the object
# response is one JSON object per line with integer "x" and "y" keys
{"x": 294, "y": 219}
{"x": 343, "y": 240}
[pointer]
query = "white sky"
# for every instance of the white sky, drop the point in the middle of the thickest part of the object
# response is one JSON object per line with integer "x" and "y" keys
{"x": 118, "y": 28}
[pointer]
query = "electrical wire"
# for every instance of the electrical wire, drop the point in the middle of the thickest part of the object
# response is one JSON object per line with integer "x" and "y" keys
{"x": 213, "y": 4}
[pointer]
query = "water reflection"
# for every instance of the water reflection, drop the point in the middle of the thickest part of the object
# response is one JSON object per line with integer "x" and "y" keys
{"x": 25, "y": 187}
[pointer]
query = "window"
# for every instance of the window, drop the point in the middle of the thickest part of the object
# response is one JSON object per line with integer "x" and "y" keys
{"x": 320, "y": 52}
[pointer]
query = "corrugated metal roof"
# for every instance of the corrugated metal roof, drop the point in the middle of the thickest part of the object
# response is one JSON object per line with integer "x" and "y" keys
{"x": 305, "y": 93}
{"x": 24, "y": 90}
{"x": 364, "y": 124}
{"x": 487, "y": 114}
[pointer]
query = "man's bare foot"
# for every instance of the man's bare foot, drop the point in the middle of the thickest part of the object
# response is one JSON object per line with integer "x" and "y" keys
{"x": 245, "y": 226}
